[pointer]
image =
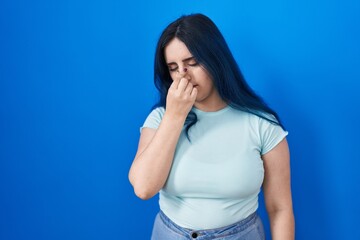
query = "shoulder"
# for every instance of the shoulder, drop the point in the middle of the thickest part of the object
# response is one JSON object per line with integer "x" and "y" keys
{"x": 259, "y": 125}
{"x": 250, "y": 119}
{"x": 267, "y": 120}
{"x": 154, "y": 118}
{"x": 157, "y": 111}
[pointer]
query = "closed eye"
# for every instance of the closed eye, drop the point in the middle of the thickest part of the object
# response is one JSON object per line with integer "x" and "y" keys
{"x": 191, "y": 62}
{"x": 172, "y": 69}
{"x": 188, "y": 61}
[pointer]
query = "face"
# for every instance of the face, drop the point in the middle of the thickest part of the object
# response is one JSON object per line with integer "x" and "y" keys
{"x": 178, "y": 57}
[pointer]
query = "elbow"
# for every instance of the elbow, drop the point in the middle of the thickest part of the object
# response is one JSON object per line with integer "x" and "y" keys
{"x": 143, "y": 194}
{"x": 280, "y": 210}
{"x": 142, "y": 191}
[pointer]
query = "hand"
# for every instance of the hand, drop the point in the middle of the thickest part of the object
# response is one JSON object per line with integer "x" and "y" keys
{"x": 181, "y": 97}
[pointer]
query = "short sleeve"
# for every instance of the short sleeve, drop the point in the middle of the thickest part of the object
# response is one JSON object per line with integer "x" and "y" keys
{"x": 270, "y": 135}
{"x": 154, "y": 118}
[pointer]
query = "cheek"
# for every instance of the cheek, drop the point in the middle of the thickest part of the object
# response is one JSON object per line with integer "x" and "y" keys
{"x": 203, "y": 78}
{"x": 200, "y": 71}
{"x": 172, "y": 76}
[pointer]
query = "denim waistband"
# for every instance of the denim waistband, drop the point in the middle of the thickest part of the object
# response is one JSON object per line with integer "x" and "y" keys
{"x": 215, "y": 232}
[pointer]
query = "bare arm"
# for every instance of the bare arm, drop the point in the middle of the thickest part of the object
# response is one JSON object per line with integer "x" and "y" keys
{"x": 152, "y": 163}
{"x": 277, "y": 192}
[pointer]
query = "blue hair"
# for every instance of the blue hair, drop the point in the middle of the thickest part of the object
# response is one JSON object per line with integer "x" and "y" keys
{"x": 207, "y": 45}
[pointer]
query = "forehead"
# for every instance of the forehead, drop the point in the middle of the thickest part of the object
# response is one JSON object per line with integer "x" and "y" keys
{"x": 176, "y": 50}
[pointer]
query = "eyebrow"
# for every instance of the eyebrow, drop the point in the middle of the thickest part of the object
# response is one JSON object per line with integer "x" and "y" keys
{"x": 184, "y": 60}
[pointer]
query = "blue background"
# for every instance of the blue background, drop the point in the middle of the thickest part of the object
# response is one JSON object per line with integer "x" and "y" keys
{"x": 76, "y": 84}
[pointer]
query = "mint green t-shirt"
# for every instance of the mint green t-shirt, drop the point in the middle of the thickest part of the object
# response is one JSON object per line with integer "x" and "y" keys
{"x": 215, "y": 179}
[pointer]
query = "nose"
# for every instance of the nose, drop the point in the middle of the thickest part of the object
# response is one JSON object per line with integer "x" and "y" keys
{"x": 183, "y": 71}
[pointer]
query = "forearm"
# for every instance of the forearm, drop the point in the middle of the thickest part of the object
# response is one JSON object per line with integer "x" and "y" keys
{"x": 282, "y": 224}
{"x": 151, "y": 167}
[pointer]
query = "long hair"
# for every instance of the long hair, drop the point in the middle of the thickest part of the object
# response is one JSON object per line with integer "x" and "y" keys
{"x": 207, "y": 45}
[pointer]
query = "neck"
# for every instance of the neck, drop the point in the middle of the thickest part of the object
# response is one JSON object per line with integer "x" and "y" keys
{"x": 211, "y": 107}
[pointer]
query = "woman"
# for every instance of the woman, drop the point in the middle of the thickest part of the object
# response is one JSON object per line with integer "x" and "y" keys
{"x": 210, "y": 144}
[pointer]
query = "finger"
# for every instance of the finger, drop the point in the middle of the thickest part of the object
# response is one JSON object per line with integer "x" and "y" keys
{"x": 175, "y": 83}
{"x": 194, "y": 93}
{"x": 183, "y": 84}
{"x": 189, "y": 88}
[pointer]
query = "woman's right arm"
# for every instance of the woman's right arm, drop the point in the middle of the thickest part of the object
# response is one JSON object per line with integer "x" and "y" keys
{"x": 153, "y": 160}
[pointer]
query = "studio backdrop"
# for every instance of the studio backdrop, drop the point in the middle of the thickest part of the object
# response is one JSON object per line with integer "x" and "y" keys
{"x": 76, "y": 83}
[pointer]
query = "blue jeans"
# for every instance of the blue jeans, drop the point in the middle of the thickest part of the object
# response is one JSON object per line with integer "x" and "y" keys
{"x": 251, "y": 228}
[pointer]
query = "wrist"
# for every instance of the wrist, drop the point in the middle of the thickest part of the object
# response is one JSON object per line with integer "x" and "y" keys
{"x": 176, "y": 119}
